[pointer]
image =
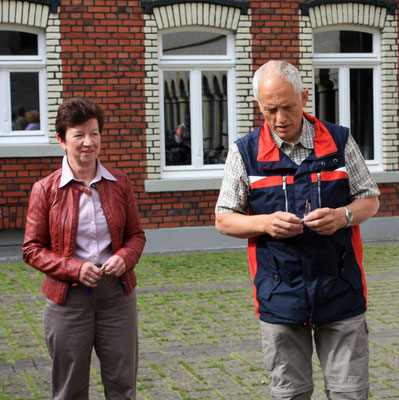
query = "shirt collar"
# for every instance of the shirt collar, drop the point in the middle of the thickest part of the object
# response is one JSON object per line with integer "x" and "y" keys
{"x": 305, "y": 138}
{"x": 67, "y": 174}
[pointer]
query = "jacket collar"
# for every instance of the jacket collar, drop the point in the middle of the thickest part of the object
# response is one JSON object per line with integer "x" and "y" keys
{"x": 67, "y": 174}
{"x": 323, "y": 143}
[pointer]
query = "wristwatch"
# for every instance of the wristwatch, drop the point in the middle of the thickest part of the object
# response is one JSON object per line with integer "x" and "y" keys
{"x": 348, "y": 215}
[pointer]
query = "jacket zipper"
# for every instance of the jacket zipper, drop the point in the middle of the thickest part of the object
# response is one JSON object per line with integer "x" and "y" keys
{"x": 285, "y": 192}
{"x": 319, "y": 188}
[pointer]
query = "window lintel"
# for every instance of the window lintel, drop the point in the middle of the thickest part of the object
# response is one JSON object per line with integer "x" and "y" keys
{"x": 53, "y": 4}
{"x": 390, "y": 6}
{"x": 149, "y": 5}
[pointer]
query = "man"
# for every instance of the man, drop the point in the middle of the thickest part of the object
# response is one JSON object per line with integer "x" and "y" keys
{"x": 298, "y": 189}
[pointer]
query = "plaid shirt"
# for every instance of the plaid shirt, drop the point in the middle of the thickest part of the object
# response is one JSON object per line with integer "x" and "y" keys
{"x": 233, "y": 196}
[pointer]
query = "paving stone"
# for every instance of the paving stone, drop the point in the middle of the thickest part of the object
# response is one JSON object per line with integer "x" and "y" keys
{"x": 6, "y": 369}
{"x": 198, "y": 339}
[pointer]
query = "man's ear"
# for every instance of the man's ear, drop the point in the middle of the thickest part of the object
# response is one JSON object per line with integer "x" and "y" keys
{"x": 304, "y": 97}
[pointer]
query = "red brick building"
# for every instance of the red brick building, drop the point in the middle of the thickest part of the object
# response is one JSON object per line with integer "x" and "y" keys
{"x": 174, "y": 78}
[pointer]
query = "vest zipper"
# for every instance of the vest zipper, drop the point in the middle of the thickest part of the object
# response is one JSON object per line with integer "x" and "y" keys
{"x": 319, "y": 188}
{"x": 285, "y": 192}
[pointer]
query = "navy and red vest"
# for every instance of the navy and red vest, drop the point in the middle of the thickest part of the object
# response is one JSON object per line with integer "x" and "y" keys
{"x": 309, "y": 279}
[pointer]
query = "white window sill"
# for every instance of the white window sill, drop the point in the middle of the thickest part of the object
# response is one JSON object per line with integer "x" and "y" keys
{"x": 386, "y": 177}
{"x": 31, "y": 150}
{"x": 180, "y": 185}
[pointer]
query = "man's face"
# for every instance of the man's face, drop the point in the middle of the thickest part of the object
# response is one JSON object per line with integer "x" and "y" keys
{"x": 282, "y": 108}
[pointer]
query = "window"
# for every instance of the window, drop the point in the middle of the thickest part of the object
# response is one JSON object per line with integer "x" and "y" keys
{"x": 197, "y": 108}
{"x": 23, "y": 77}
{"x": 347, "y": 85}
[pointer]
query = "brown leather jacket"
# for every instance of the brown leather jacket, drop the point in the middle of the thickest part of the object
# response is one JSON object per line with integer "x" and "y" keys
{"x": 51, "y": 227}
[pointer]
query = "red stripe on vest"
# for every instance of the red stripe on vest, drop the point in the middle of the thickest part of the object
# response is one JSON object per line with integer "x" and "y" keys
{"x": 358, "y": 249}
{"x": 269, "y": 181}
{"x": 330, "y": 176}
{"x": 253, "y": 267}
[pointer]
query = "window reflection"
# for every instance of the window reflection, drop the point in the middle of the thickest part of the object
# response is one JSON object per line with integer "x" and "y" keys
{"x": 194, "y": 43}
{"x": 214, "y": 135}
{"x": 326, "y": 92}
{"x": 25, "y": 100}
{"x": 214, "y": 116}
{"x": 361, "y": 103}
{"x": 361, "y": 100}
{"x": 343, "y": 42}
{"x": 177, "y": 118}
{"x": 13, "y": 43}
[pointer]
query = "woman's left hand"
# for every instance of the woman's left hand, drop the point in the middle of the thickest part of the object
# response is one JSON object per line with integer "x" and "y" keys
{"x": 115, "y": 266}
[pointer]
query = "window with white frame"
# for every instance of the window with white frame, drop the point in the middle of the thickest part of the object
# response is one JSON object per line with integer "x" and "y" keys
{"x": 23, "y": 116}
{"x": 347, "y": 84}
{"x": 197, "y": 83}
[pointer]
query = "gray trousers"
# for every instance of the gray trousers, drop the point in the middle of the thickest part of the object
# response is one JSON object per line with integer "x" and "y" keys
{"x": 103, "y": 318}
{"x": 342, "y": 348}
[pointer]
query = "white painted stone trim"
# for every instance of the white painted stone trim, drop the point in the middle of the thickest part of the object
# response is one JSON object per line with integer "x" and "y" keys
{"x": 24, "y": 13}
{"x": 361, "y": 15}
{"x": 199, "y": 15}
{"x": 181, "y": 185}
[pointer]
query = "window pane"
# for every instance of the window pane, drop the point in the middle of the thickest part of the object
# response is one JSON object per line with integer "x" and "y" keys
{"x": 343, "y": 42}
{"x": 18, "y": 43}
{"x": 214, "y": 116}
{"x": 177, "y": 118}
{"x": 326, "y": 94}
{"x": 194, "y": 43}
{"x": 25, "y": 100}
{"x": 361, "y": 99}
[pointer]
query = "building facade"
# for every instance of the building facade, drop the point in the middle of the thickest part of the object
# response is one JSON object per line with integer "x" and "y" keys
{"x": 174, "y": 79}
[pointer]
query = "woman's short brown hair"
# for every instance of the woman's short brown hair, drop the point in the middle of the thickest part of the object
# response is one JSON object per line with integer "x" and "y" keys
{"x": 77, "y": 111}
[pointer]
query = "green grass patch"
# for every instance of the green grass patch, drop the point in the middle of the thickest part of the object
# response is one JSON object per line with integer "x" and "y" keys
{"x": 192, "y": 301}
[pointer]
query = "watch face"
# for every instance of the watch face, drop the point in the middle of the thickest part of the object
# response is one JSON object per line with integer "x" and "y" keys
{"x": 348, "y": 214}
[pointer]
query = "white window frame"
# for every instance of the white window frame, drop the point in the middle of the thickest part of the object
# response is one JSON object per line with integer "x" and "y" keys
{"x": 9, "y": 64}
{"x": 344, "y": 62}
{"x": 195, "y": 65}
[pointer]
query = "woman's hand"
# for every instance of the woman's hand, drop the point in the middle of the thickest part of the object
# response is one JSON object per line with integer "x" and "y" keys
{"x": 89, "y": 274}
{"x": 115, "y": 266}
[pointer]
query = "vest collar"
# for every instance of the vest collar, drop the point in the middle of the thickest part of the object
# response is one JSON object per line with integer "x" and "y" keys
{"x": 323, "y": 143}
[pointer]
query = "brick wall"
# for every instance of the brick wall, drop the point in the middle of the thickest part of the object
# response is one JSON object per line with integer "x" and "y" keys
{"x": 389, "y": 200}
{"x": 275, "y": 35}
{"x": 172, "y": 210}
{"x": 17, "y": 176}
{"x": 103, "y": 59}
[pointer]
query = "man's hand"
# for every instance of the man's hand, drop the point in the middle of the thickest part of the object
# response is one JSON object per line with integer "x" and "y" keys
{"x": 115, "y": 266}
{"x": 278, "y": 225}
{"x": 281, "y": 225}
{"x": 326, "y": 221}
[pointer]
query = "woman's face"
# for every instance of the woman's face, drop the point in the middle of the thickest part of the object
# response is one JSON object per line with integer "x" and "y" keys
{"x": 82, "y": 144}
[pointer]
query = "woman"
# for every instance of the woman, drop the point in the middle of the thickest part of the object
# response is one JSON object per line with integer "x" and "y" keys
{"x": 84, "y": 233}
{"x": 33, "y": 118}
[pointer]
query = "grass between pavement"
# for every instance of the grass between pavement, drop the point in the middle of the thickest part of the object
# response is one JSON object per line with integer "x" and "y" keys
{"x": 199, "y": 337}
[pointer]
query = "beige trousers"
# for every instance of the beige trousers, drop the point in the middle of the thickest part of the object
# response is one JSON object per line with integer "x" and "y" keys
{"x": 105, "y": 319}
{"x": 342, "y": 348}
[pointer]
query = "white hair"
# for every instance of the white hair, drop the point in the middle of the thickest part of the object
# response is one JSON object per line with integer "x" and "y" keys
{"x": 283, "y": 69}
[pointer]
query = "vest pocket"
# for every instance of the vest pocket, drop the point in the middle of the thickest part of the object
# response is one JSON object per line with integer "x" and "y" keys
{"x": 267, "y": 286}
{"x": 350, "y": 275}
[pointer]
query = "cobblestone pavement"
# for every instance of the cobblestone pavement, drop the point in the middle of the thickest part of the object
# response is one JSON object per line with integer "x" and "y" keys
{"x": 199, "y": 337}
